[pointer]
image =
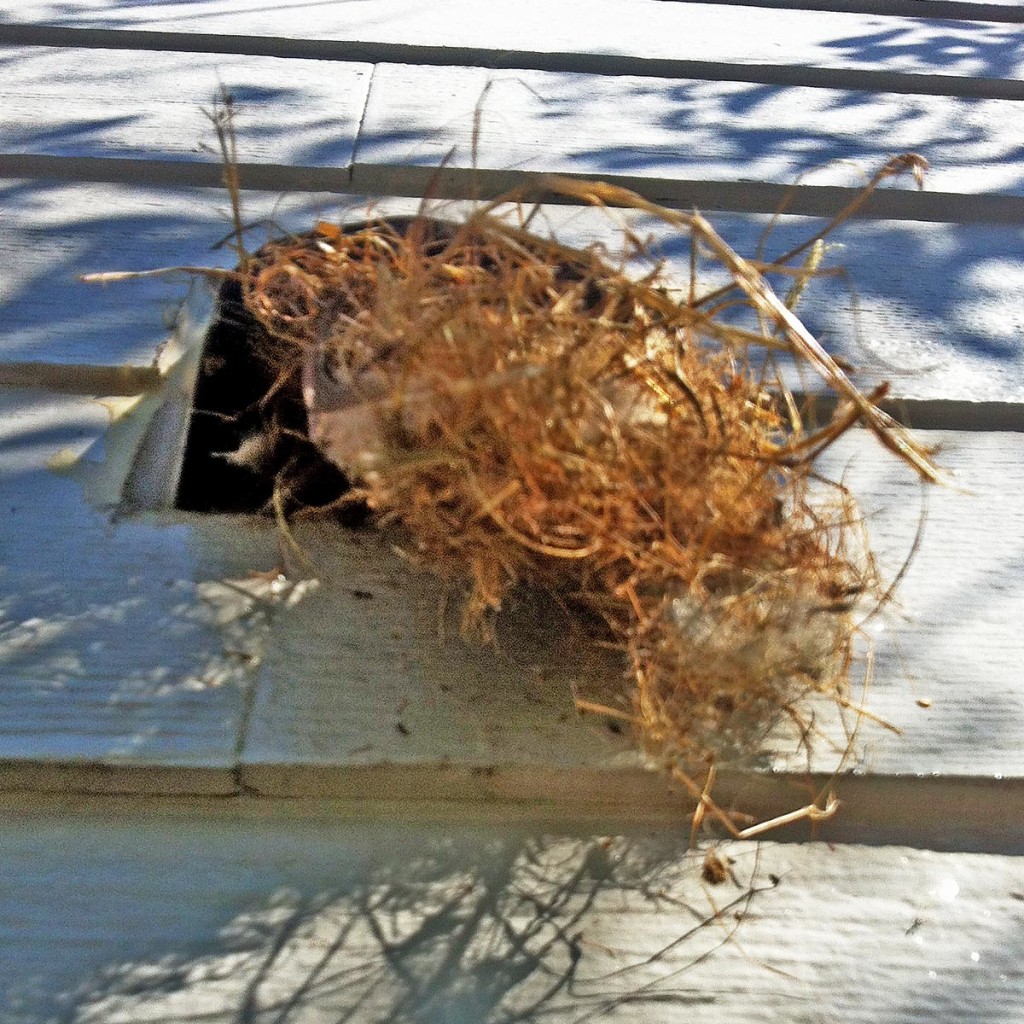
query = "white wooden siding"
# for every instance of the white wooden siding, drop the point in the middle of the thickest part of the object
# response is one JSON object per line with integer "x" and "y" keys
{"x": 933, "y": 308}
{"x": 290, "y": 913}
{"x": 261, "y": 842}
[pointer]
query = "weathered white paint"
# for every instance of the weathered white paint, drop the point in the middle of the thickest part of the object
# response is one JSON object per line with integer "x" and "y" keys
{"x": 686, "y": 129}
{"x": 51, "y": 232}
{"x": 423, "y": 717}
{"x": 315, "y": 913}
{"x": 951, "y": 636}
{"x": 118, "y": 646}
{"x": 140, "y": 655}
{"x": 115, "y": 103}
{"x": 933, "y": 308}
{"x": 357, "y": 692}
{"x": 747, "y": 36}
{"x": 344, "y": 670}
{"x": 300, "y": 126}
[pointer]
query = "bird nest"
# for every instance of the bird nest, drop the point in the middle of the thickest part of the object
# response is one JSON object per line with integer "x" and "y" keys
{"x": 528, "y": 413}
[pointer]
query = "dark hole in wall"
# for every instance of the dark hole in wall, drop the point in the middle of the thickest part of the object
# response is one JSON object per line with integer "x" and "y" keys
{"x": 239, "y": 443}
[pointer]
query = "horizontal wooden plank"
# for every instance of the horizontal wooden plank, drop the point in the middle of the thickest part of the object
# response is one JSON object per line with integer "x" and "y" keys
{"x": 951, "y": 636}
{"x": 118, "y": 645}
{"x": 305, "y": 116}
{"x": 678, "y": 131}
{"x": 296, "y": 112}
{"x": 357, "y": 693}
{"x": 688, "y": 142}
{"x": 76, "y": 690}
{"x": 423, "y": 716}
{"x": 51, "y": 232}
{"x": 933, "y": 308}
{"x": 143, "y": 913}
{"x": 574, "y": 36}
{"x": 445, "y": 55}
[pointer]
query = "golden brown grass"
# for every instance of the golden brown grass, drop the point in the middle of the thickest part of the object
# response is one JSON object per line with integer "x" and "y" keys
{"x": 529, "y": 414}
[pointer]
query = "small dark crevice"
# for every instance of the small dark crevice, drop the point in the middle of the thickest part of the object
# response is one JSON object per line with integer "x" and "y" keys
{"x": 241, "y": 787}
{"x": 249, "y": 431}
{"x": 241, "y": 442}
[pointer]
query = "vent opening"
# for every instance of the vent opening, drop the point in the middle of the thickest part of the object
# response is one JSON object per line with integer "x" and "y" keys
{"x": 248, "y": 430}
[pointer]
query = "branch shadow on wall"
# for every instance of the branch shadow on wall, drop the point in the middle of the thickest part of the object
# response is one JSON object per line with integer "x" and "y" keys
{"x": 522, "y": 930}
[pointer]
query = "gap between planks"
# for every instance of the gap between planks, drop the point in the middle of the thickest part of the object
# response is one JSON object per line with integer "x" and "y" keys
{"x": 951, "y": 815}
{"x": 403, "y": 180}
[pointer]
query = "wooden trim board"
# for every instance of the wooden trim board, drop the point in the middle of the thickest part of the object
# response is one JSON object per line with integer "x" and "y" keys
{"x": 285, "y": 700}
{"x": 890, "y": 39}
{"x": 299, "y": 124}
{"x": 933, "y": 308}
{"x": 682, "y": 130}
{"x": 309, "y": 911}
{"x": 956, "y": 648}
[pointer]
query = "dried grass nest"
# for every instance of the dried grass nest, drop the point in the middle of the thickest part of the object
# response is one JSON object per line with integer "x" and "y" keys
{"x": 527, "y": 413}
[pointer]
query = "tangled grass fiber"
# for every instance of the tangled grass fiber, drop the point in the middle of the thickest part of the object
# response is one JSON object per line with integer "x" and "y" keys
{"x": 527, "y": 413}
